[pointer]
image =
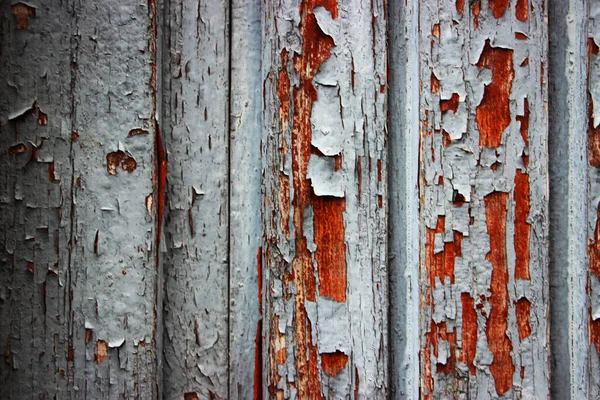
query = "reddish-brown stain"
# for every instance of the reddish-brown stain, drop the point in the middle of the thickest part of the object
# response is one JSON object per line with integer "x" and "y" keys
{"x": 190, "y": 396}
{"x": 101, "y": 351}
{"x": 74, "y": 136}
{"x": 523, "y": 310}
{"x": 30, "y": 267}
{"x": 502, "y": 367}
{"x": 137, "y": 131}
{"x": 22, "y": 12}
{"x": 258, "y": 390}
{"x": 476, "y": 9}
{"x": 333, "y": 363}
{"x": 522, "y": 10}
{"x": 594, "y": 268}
{"x": 451, "y": 104}
{"x": 469, "y": 331}
{"x": 498, "y": 7}
{"x": 493, "y": 113}
{"x": 522, "y": 227}
{"x": 460, "y": 7}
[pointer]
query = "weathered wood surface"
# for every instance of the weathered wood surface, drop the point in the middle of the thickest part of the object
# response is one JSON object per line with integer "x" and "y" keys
{"x": 483, "y": 184}
{"x": 324, "y": 157}
{"x": 79, "y": 303}
{"x": 240, "y": 180}
{"x": 196, "y": 138}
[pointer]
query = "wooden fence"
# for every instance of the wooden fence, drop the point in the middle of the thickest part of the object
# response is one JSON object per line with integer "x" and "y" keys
{"x": 300, "y": 199}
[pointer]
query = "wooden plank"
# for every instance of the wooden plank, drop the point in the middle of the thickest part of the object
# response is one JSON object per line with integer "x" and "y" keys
{"x": 245, "y": 323}
{"x": 404, "y": 132}
{"x": 196, "y": 138}
{"x": 484, "y": 282}
{"x": 325, "y": 173}
{"x": 567, "y": 141}
{"x": 116, "y": 200}
{"x": 593, "y": 159}
{"x": 35, "y": 198}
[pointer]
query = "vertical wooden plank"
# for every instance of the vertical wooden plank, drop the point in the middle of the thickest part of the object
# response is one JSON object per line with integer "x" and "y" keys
{"x": 593, "y": 152}
{"x": 35, "y": 198}
{"x": 484, "y": 282}
{"x": 245, "y": 323}
{"x": 196, "y": 136}
{"x": 403, "y": 123}
{"x": 325, "y": 173}
{"x": 114, "y": 261}
{"x": 567, "y": 140}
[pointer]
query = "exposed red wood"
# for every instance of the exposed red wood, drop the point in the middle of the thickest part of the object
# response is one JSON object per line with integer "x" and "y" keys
{"x": 333, "y": 363}
{"x": 594, "y": 268}
{"x": 258, "y": 390}
{"x": 523, "y": 310}
{"x": 160, "y": 182}
{"x": 498, "y": 7}
{"x": 435, "y": 83}
{"x": 190, "y": 396}
{"x": 137, "y": 131}
{"x": 522, "y": 10}
{"x": 460, "y": 7}
{"x": 259, "y": 278}
{"x": 493, "y": 113}
{"x": 101, "y": 351}
{"x": 51, "y": 176}
{"x": 522, "y": 227}
{"x": 357, "y": 384}
{"x": 451, "y": 104}
{"x": 284, "y": 204}
{"x": 331, "y": 247}
{"x": 524, "y": 122}
{"x": 520, "y": 36}
{"x": 449, "y": 337}
{"x": 502, "y": 367}
{"x": 22, "y": 12}
{"x": 593, "y": 142}
{"x": 469, "y": 331}
{"x": 476, "y": 9}
{"x": 435, "y": 31}
{"x": 434, "y": 263}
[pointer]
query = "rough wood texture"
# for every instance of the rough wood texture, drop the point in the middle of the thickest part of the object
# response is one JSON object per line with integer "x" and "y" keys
{"x": 35, "y": 199}
{"x": 324, "y": 157}
{"x": 484, "y": 283}
{"x": 196, "y": 138}
{"x": 567, "y": 140}
{"x": 80, "y": 302}
{"x": 403, "y": 122}
{"x": 593, "y": 152}
{"x": 245, "y": 345}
